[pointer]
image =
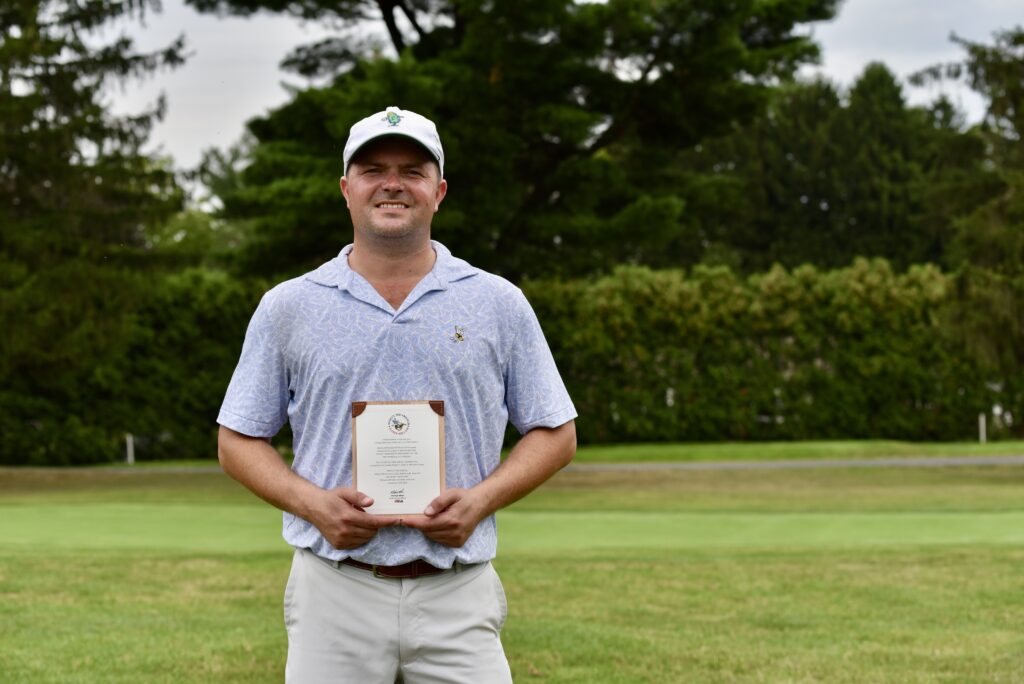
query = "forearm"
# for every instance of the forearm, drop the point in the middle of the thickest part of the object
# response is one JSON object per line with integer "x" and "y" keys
{"x": 541, "y": 453}
{"x": 257, "y": 465}
{"x": 451, "y": 517}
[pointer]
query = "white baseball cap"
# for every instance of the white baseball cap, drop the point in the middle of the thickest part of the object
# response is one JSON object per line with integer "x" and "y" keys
{"x": 395, "y": 121}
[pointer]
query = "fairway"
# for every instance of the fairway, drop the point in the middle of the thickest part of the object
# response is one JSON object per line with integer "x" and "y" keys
{"x": 795, "y": 576}
{"x": 761, "y": 451}
{"x": 204, "y": 528}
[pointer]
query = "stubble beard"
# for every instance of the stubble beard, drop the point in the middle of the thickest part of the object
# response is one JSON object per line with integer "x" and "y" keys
{"x": 403, "y": 230}
{"x": 397, "y": 236}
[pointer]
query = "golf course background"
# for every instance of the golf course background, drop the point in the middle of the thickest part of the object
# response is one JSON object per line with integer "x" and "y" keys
{"x": 649, "y": 575}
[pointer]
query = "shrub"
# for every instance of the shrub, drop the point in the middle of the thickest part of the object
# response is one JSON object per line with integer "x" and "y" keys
{"x": 858, "y": 352}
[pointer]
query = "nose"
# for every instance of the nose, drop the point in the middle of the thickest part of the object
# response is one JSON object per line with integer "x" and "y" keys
{"x": 392, "y": 181}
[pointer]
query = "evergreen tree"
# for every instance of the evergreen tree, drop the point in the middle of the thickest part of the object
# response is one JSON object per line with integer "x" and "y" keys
{"x": 993, "y": 236}
{"x": 561, "y": 121}
{"x": 824, "y": 176}
{"x": 988, "y": 247}
{"x": 76, "y": 198}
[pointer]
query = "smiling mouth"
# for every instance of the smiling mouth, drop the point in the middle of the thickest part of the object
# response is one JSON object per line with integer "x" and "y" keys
{"x": 392, "y": 205}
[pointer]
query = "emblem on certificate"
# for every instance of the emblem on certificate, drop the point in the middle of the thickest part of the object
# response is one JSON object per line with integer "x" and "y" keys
{"x": 398, "y": 454}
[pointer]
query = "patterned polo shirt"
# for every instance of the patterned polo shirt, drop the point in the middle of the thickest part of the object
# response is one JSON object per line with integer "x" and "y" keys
{"x": 321, "y": 341}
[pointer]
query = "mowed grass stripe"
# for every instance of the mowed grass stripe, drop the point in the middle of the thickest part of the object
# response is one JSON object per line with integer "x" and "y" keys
{"x": 537, "y": 531}
{"x": 159, "y": 527}
{"x": 246, "y": 529}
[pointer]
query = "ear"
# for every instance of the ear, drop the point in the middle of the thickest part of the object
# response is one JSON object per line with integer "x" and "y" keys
{"x": 442, "y": 190}
{"x": 343, "y": 184}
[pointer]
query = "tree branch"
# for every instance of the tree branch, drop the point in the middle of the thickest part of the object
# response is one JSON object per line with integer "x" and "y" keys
{"x": 459, "y": 24}
{"x": 387, "y": 11}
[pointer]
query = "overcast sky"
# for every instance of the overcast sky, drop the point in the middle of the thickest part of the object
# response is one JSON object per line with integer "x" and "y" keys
{"x": 233, "y": 72}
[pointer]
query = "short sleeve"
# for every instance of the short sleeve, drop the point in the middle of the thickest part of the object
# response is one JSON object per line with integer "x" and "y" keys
{"x": 534, "y": 391}
{"x": 256, "y": 403}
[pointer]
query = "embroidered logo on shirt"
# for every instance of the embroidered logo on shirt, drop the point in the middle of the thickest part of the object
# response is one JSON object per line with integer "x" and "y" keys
{"x": 459, "y": 336}
{"x": 398, "y": 424}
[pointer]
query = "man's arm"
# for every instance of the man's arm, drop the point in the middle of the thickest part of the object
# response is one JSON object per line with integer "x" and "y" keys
{"x": 337, "y": 513}
{"x": 452, "y": 516}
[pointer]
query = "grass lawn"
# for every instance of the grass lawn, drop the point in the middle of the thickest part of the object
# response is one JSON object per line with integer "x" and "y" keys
{"x": 734, "y": 451}
{"x": 880, "y": 575}
{"x": 772, "y": 451}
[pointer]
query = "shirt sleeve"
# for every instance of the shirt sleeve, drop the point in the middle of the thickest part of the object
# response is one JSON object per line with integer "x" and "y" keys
{"x": 256, "y": 403}
{"x": 534, "y": 392}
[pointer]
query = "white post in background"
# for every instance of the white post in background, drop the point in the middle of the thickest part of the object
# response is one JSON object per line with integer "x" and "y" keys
{"x": 981, "y": 428}
{"x": 129, "y": 443}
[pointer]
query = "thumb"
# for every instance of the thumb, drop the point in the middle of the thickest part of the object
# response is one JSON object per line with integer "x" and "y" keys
{"x": 441, "y": 502}
{"x": 354, "y": 497}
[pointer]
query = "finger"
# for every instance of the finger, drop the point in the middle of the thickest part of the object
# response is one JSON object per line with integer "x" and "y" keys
{"x": 350, "y": 540}
{"x": 447, "y": 540}
{"x": 418, "y": 522}
{"x": 379, "y": 521}
{"x": 443, "y": 501}
{"x": 354, "y": 497}
{"x": 366, "y": 523}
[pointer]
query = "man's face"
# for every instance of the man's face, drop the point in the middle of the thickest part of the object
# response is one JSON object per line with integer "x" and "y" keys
{"x": 393, "y": 187}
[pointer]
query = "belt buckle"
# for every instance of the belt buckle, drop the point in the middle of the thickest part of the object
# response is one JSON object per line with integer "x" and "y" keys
{"x": 410, "y": 573}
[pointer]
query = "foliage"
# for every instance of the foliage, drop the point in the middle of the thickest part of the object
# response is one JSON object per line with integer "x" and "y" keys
{"x": 988, "y": 246}
{"x": 647, "y": 355}
{"x": 580, "y": 136}
{"x": 824, "y": 176}
{"x": 76, "y": 199}
{"x": 804, "y": 354}
{"x": 180, "y": 358}
{"x": 560, "y": 120}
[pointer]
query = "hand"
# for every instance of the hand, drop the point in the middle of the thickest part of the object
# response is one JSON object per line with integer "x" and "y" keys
{"x": 339, "y": 515}
{"x": 450, "y": 518}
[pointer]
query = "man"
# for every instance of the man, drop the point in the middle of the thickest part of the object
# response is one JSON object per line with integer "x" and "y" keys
{"x": 394, "y": 317}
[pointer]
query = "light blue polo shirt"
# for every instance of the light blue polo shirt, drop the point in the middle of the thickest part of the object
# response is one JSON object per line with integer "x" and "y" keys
{"x": 321, "y": 341}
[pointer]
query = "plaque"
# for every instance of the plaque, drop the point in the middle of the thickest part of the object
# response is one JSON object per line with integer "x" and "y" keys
{"x": 398, "y": 454}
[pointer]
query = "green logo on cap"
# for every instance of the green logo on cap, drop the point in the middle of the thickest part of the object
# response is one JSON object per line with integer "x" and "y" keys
{"x": 392, "y": 118}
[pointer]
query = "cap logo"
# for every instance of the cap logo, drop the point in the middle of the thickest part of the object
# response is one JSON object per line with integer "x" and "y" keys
{"x": 392, "y": 118}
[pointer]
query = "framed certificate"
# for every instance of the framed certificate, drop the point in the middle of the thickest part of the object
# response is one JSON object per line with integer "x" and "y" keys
{"x": 398, "y": 454}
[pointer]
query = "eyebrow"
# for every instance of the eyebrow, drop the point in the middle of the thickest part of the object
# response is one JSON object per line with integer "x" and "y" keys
{"x": 373, "y": 162}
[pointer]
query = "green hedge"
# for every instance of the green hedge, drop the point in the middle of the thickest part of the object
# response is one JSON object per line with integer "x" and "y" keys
{"x": 185, "y": 348}
{"x": 145, "y": 354}
{"x": 858, "y": 352}
{"x": 64, "y": 327}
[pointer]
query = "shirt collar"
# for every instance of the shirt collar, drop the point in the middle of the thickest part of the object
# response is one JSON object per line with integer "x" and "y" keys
{"x": 447, "y": 269}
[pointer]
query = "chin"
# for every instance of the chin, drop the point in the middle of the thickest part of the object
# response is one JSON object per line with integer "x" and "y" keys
{"x": 391, "y": 232}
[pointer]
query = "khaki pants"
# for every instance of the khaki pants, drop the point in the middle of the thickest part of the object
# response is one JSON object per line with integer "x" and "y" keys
{"x": 345, "y": 625}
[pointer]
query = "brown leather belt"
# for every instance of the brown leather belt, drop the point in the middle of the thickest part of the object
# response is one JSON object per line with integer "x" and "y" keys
{"x": 410, "y": 570}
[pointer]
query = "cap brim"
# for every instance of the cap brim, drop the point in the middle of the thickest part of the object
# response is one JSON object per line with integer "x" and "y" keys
{"x": 395, "y": 134}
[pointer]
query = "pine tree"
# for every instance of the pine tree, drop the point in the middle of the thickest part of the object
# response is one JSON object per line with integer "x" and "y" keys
{"x": 76, "y": 198}
{"x": 988, "y": 246}
{"x": 561, "y": 120}
{"x": 825, "y": 176}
